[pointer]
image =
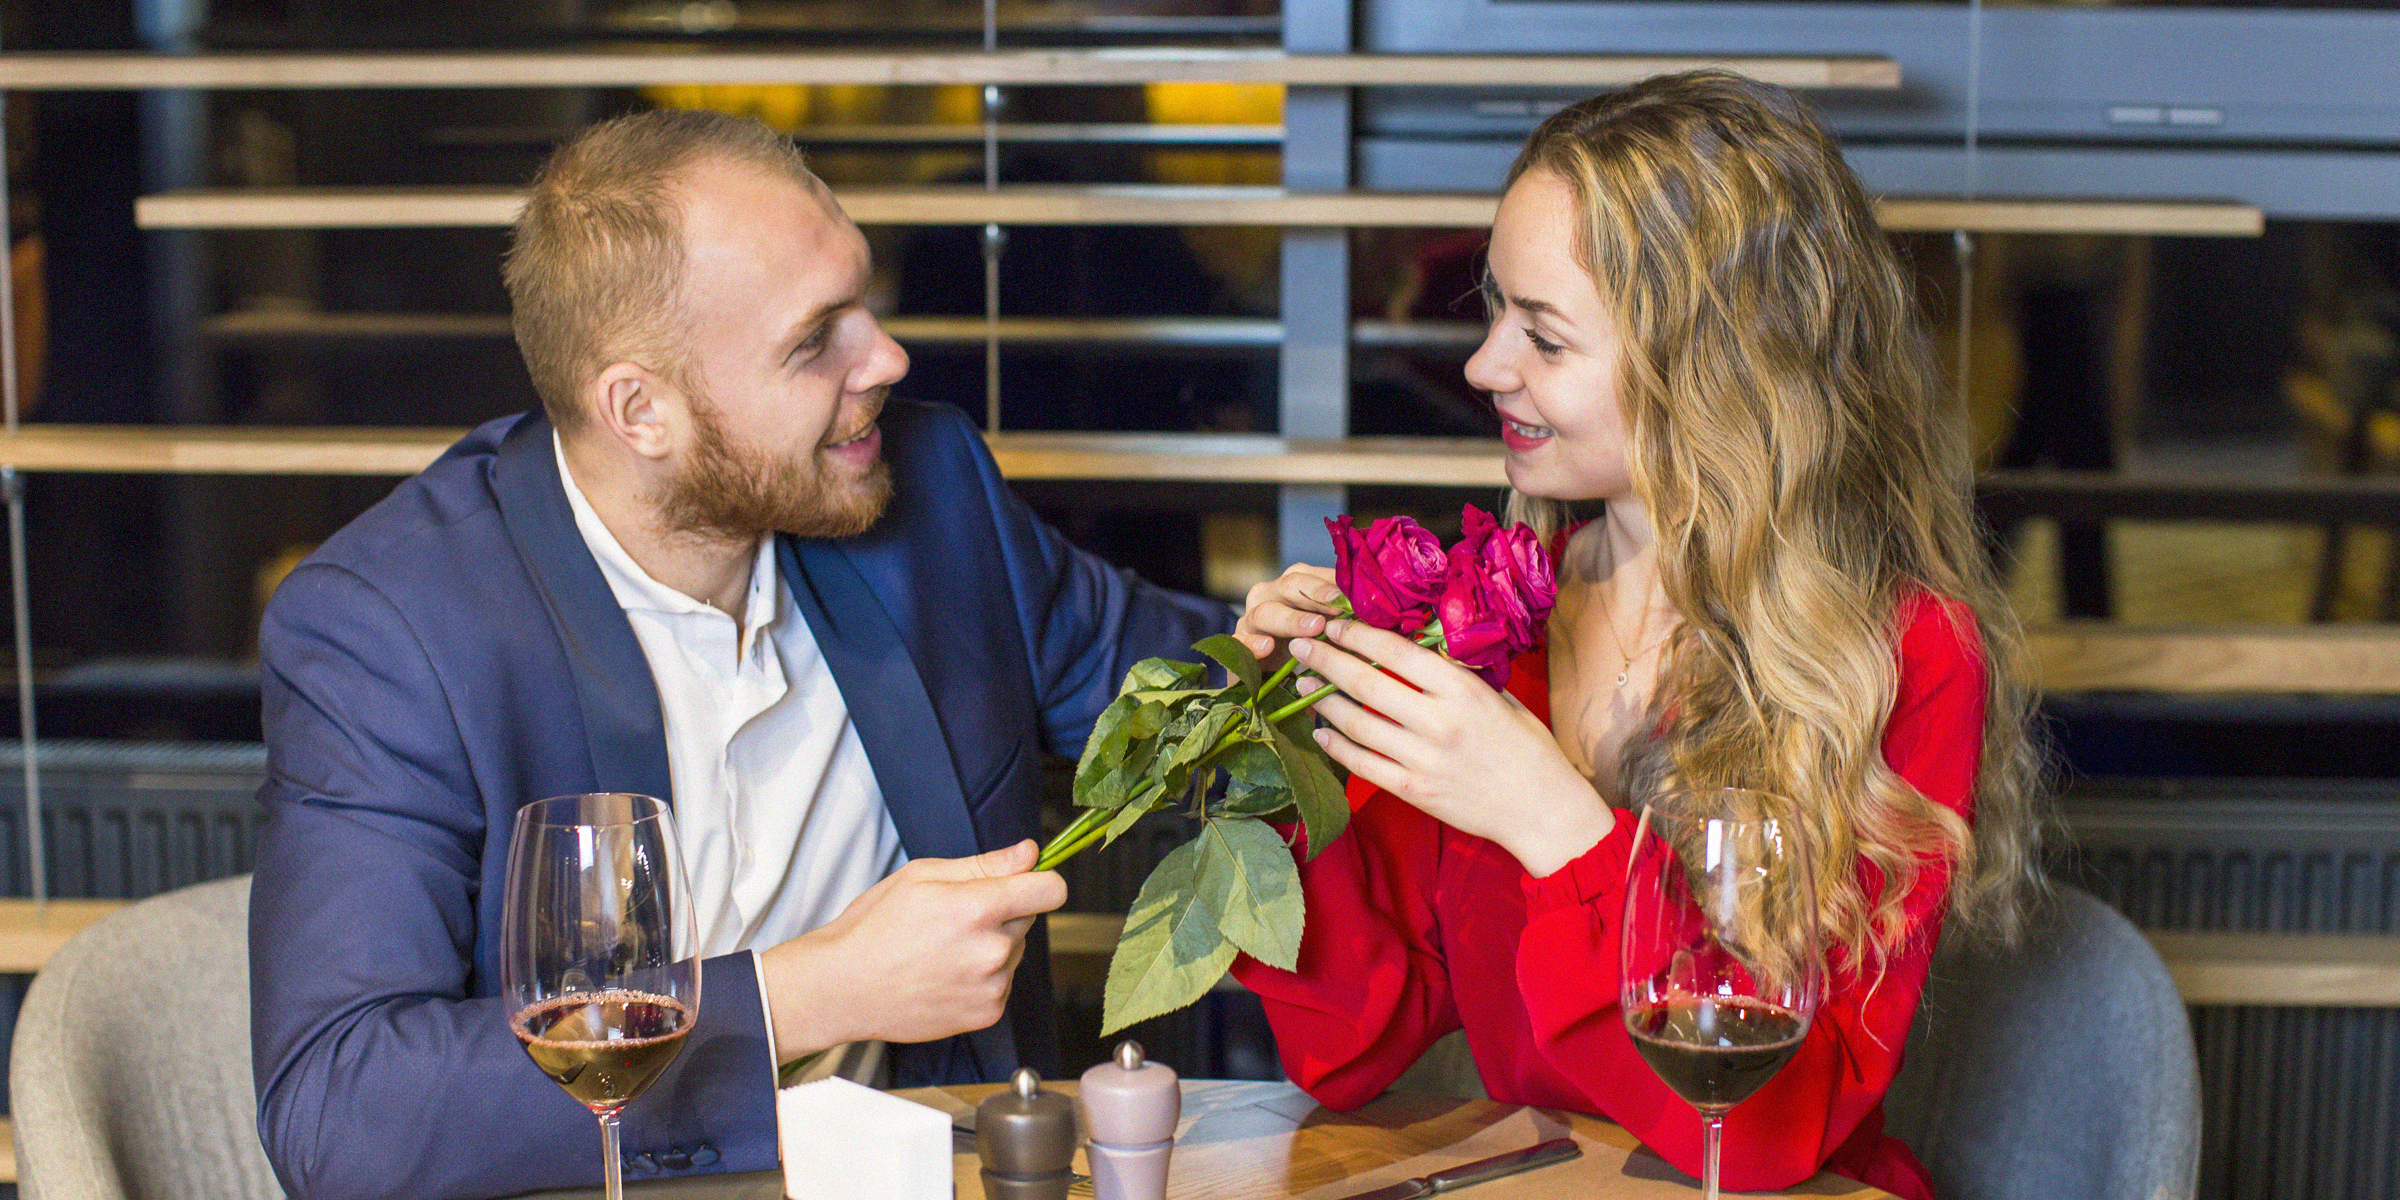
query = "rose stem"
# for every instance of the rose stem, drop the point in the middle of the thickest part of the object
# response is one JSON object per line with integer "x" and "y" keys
{"x": 1302, "y": 704}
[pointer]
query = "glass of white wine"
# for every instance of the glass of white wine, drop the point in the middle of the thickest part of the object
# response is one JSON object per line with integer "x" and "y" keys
{"x": 597, "y": 950}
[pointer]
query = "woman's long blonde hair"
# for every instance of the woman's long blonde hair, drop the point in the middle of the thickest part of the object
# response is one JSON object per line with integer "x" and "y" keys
{"x": 1805, "y": 471}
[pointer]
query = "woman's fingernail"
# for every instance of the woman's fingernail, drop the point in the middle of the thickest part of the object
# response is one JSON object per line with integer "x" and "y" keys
{"x": 1300, "y": 650}
{"x": 1335, "y": 629}
{"x": 1324, "y": 737}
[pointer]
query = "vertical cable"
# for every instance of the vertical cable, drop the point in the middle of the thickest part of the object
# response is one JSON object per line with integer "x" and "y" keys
{"x": 37, "y": 868}
{"x": 994, "y": 241}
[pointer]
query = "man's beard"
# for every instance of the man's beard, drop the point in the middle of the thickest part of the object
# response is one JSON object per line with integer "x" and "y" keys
{"x": 733, "y": 494}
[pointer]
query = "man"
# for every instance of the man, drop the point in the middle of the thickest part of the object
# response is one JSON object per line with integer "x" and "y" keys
{"x": 723, "y": 571}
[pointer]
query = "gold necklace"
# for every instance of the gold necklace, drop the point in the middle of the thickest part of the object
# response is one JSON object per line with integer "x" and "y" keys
{"x": 1609, "y": 619}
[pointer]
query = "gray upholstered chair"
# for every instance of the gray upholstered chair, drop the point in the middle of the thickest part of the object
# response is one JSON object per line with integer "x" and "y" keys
{"x": 2063, "y": 1067}
{"x": 130, "y": 1073}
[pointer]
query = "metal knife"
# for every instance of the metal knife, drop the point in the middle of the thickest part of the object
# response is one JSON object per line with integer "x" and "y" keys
{"x": 1482, "y": 1169}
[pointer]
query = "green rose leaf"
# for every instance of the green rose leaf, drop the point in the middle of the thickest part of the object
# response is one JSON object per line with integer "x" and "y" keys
{"x": 1103, "y": 750}
{"x": 1115, "y": 762}
{"x": 1171, "y": 952}
{"x": 1129, "y": 815}
{"x": 1316, "y": 792}
{"x": 1248, "y": 883}
{"x": 1200, "y": 742}
{"x": 1256, "y": 785}
{"x": 1235, "y": 657}
{"x": 1162, "y": 674}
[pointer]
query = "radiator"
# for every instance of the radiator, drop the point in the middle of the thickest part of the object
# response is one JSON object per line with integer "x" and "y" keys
{"x": 131, "y": 819}
{"x": 2296, "y": 1102}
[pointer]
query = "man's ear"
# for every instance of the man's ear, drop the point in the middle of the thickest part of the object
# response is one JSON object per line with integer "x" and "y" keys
{"x": 637, "y": 408}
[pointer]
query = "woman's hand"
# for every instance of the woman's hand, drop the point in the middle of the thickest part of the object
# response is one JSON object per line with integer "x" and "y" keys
{"x": 1292, "y": 605}
{"x": 1469, "y": 755}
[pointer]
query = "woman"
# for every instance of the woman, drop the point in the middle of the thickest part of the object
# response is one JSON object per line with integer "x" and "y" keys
{"x": 1697, "y": 322}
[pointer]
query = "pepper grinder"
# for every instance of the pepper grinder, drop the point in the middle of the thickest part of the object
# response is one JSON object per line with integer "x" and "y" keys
{"x": 1130, "y": 1107}
{"x": 1026, "y": 1137}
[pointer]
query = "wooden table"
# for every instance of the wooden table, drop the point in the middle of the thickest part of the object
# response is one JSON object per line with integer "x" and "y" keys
{"x": 1269, "y": 1141}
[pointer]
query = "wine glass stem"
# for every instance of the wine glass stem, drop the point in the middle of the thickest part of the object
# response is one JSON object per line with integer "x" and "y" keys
{"x": 613, "y": 1159}
{"x": 1712, "y": 1133}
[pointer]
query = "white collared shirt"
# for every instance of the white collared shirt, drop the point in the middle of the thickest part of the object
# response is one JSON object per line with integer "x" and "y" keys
{"x": 781, "y": 818}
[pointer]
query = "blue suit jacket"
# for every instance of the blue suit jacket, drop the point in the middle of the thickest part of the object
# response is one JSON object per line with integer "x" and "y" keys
{"x": 455, "y": 653}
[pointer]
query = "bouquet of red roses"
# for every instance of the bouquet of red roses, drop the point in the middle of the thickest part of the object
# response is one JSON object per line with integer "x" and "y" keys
{"x": 1168, "y": 739}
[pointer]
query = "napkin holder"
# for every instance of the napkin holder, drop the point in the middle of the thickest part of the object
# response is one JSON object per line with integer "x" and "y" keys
{"x": 844, "y": 1141}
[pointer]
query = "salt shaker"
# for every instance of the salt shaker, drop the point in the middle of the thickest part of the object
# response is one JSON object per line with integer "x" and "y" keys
{"x": 1129, "y": 1111}
{"x": 1026, "y": 1137}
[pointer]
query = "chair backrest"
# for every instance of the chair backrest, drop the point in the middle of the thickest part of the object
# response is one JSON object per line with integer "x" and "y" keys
{"x": 2060, "y": 1067}
{"x": 130, "y": 1073}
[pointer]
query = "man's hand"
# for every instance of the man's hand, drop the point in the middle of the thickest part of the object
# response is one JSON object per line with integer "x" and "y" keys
{"x": 927, "y": 952}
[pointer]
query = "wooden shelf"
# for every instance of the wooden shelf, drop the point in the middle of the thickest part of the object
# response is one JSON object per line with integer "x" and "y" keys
{"x": 1199, "y": 332}
{"x": 2323, "y": 659}
{"x": 28, "y": 938}
{"x": 1210, "y": 458}
{"x": 1251, "y": 458}
{"x": 239, "y": 450}
{"x": 2311, "y": 970}
{"x": 298, "y": 324}
{"x": 1108, "y": 134}
{"x": 2165, "y": 218}
{"x": 57, "y": 71}
{"x": 1145, "y": 204}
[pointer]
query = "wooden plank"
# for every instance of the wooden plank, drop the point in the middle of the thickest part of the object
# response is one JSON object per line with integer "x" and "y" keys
{"x": 2335, "y": 659}
{"x": 2304, "y": 970}
{"x": 255, "y": 450}
{"x": 1230, "y": 458}
{"x": 1141, "y": 204}
{"x": 29, "y": 936}
{"x": 8, "y": 1150}
{"x": 251, "y": 450}
{"x": 2168, "y": 218}
{"x": 57, "y": 71}
{"x": 329, "y": 208}
{"x": 1255, "y": 332}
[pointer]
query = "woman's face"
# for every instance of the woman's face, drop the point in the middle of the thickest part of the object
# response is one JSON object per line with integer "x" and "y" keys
{"x": 1550, "y": 361}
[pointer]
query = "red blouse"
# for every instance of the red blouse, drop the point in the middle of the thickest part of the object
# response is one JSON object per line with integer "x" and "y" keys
{"x": 1415, "y": 929}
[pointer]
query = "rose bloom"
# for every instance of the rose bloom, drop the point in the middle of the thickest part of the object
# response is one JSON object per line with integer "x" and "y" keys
{"x": 1391, "y": 571}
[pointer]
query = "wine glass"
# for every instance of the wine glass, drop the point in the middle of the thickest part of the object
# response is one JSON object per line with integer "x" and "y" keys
{"x": 596, "y": 950}
{"x": 1718, "y": 952}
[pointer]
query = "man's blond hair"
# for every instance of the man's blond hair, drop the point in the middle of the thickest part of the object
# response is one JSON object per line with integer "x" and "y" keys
{"x": 595, "y": 265}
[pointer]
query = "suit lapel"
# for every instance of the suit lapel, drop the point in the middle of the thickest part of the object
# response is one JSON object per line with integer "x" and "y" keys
{"x": 886, "y": 697}
{"x": 905, "y": 744}
{"x": 622, "y": 727}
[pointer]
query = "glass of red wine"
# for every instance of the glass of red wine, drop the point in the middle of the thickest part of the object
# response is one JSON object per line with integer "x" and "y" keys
{"x": 597, "y": 950}
{"x": 1718, "y": 952}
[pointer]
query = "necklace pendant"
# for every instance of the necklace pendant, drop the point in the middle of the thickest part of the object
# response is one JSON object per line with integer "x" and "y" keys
{"x": 1620, "y": 679}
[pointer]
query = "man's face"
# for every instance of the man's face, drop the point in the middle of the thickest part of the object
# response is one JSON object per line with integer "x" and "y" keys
{"x": 788, "y": 367}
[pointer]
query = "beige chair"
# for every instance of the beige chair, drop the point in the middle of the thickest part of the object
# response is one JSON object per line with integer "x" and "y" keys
{"x": 130, "y": 1073}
